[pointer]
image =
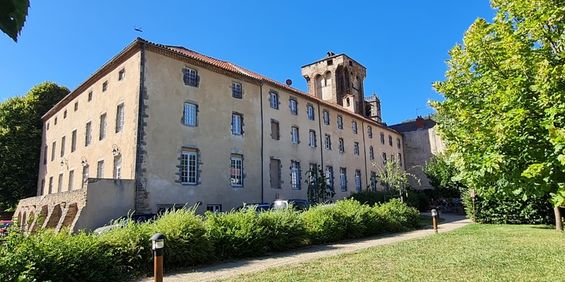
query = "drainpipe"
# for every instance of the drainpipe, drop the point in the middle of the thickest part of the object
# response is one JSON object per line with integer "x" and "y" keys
{"x": 365, "y": 153}
{"x": 262, "y": 141}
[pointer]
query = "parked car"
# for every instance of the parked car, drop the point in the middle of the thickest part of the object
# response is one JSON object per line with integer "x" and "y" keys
{"x": 298, "y": 204}
{"x": 259, "y": 207}
{"x": 4, "y": 225}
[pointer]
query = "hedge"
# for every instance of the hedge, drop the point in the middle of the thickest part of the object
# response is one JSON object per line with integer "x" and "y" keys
{"x": 510, "y": 209}
{"x": 191, "y": 239}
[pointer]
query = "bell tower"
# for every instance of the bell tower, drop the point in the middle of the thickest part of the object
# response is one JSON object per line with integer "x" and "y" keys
{"x": 337, "y": 79}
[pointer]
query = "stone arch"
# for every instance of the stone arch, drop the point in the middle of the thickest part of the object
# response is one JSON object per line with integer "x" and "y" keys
{"x": 54, "y": 217}
{"x": 70, "y": 215}
{"x": 40, "y": 218}
{"x": 318, "y": 84}
{"x": 328, "y": 79}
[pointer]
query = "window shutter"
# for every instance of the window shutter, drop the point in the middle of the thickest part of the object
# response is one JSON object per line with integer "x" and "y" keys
{"x": 197, "y": 79}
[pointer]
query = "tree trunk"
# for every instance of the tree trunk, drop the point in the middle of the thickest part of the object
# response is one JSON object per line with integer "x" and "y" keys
{"x": 558, "y": 221}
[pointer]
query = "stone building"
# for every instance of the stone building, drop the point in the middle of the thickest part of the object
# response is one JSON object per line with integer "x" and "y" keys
{"x": 421, "y": 142}
{"x": 160, "y": 126}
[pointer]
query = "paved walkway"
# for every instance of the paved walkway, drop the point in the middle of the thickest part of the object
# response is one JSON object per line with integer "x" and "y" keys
{"x": 231, "y": 269}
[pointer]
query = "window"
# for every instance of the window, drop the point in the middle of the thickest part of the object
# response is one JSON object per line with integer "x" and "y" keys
{"x": 312, "y": 138}
{"x": 275, "y": 173}
{"x": 390, "y": 140}
{"x": 358, "y": 180}
{"x": 42, "y": 187}
{"x": 100, "y": 169}
{"x": 50, "y": 184}
{"x": 190, "y": 114}
{"x": 84, "y": 174}
{"x": 76, "y": 106}
{"x": 190, "y": 77}
{"x": 45, "y": 150}
{"x": 310, "y": 111}
{"x": 327, "y": 142}
{"x": 89, "y": 96}
{"x": 71, "y": 180}
{"x": 330, "y": 177}
{"x": 339, "y": 122}
{"x": 373, "y": 180}
{"x": 47, "y": 126}
{"x": 275, "y": 130}
{"x": 293, "y": 105}
{"x": 120, "y": 117}
{"x": 341, "y": 145}
{"x": 121, "y": 74}
{"x": 354, "y": 126}
{"x": 60, "y": 183}
{"x": 88, "y": 134}
{"x": 65, "y": 114}
{"x": 214, "y": 208}
{"x": 295, "y": 175}
{"x": 384, "y": 158}
{"x": 343, "y": 179}
{"x": 105, "y": 86}
{"x": 382, "y": 138}
{"x": 326, "y": 117}
{"x": 55, "y": 121}
{"x": 400, "y": 159}
{"x": 53, "y": 150}
{"x": 117, "y": 171}
{"x": 236, "y": 170}
{"x": 371, "y": 153}
{"x": 102, "y": 133}
{"x": 236, "y": 90}
{"x": 370, "y": 132}
{"x": 294, "y": 135}
{"x": 63, "y": 146}
{"x": 189, "y": 167}
{"x": 236, "y": 124}
{"x": 313, "y": 170}
{"x": 74, "y": 141}
{"x": 356, "y": 148}
{"x": 398, "y": 145}
{"x": 274, "y": 99}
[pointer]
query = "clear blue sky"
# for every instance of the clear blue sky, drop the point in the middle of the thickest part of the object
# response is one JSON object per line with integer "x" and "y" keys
{"x": 403, "y": 44}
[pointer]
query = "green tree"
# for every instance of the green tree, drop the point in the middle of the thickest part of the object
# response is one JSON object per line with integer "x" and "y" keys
{"x": 13, "y": 14}
{"x": 319, "y": 189}
{"x": 504, "y": 109}
{"x": 443, "y": 175}
{"x": 20, "y": 141}
{"x": 392, "y": 175}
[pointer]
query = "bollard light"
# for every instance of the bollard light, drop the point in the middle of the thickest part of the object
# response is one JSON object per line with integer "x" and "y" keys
{"x": 434, "y": 220}
{"x": 158, "y": 245}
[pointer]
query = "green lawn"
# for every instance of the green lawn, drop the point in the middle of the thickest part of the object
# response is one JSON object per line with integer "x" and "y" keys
{"x": 475, "y": 252}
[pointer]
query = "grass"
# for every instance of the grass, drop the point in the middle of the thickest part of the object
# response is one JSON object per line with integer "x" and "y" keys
{"x": 473, "y": 253}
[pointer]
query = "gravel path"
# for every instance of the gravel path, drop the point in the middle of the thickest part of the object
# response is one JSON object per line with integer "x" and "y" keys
{"x": 234, "y": 268}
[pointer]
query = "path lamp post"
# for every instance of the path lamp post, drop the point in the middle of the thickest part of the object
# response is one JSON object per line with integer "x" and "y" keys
{"x": 434, "y": 219}
{"x": 158, "y": 245}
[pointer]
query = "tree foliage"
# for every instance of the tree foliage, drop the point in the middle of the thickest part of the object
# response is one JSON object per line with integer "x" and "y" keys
{"x": 503, "y": 114}
{"x": 13, "y": 14}
{"x": 20, "y": 141}
{"x": 392, "y": 175}
{"x": 443, "y": 175}
{"x": 319, "y": 189}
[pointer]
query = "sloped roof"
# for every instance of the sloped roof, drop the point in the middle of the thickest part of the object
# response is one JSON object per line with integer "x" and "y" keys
{"x": 411, "y": 125}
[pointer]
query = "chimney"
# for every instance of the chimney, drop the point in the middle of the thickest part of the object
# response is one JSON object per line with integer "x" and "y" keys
{"x": 419, "y": 122}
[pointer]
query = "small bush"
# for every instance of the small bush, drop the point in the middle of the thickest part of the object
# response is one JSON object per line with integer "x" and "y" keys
{"x": 372, "y": 198}
{"x": 396, "y": 216}
{"x": 324, "y": 224}
{"x": 355, "y": 217}
{"x": 236, "y": 234}
{"x": 284, "y": 229}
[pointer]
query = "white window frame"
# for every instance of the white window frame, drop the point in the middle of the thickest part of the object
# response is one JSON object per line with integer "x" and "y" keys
{"x": 120, "y": 115}
{"x": 340, "y": 122}
{"x": 294, "y": 135}
{"x": 358, "y": 180}
{"x": 103, "y": 122}
{"x": 100, "y": 169}
{"x": 236, "y": 171}
{"x": 88, "y": 134}
{"x": 293, "y": 105}
{"x": 236, "y": 90}
{"x": 295, "y": 179}
{"x": 237, "y": 124}
{"x": 354, "y": 126}
{"x": 341, "y": 145}
{"x": 190, "y": 114}
{"x": 274, "y": 100}
{"x": 190, "y": 76}
{"x": 310, "y": 112}
{"x": 343, "y": 179}
{"x": 312, "y": 142}
{"x": 117, "y": 171}
{"x": 189, "y": 168}
{"x": 356, "y": 148}
{"x": 326, "y": 117}
{"x": 327, "y": 142}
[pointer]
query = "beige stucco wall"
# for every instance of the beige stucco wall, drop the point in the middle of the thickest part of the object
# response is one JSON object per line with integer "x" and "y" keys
{"x": 125, "y": 91}
{"x": 166, "y": 136}
{"x": 420, "y": 146}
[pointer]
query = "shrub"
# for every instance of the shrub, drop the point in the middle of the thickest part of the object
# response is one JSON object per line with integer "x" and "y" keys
{"x": 236, "y": 234}
{"x": 396, "y": 216}
{"x": 324, "y": 224}
{"x": 510, "y": 209}
{"x": 355, "y": 218}
{"x": 57, "y": 257}
{"x": 283, "y": 229}
{"x": 186, "y": 239}
{"x": 373, "y": 197}
{"x": 419, "y": 200}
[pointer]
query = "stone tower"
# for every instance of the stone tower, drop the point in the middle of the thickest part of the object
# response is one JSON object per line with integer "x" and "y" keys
{"x": 373, "y": 108}
{"x": 337, "y": 79}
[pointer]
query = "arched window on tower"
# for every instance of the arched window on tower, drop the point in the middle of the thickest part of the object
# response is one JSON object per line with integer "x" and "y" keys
{"x": 328, "y": 78}
{"x": 318, "y": 80}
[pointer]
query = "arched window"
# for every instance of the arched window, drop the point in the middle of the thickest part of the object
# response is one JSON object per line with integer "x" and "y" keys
{"x": 318, "y": 80}
{"x": 328, "y": 78}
